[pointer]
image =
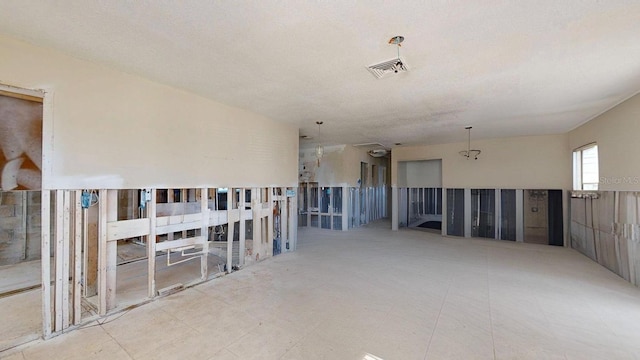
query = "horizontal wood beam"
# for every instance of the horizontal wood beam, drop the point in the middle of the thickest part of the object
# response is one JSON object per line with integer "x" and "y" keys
{"x": 127, "y": 229}
{"x": 174, "y": 244}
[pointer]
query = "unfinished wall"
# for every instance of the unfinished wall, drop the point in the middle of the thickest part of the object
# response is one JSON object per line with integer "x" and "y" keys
{"x": 19, "y": 226}
{"x": 108, "y": 129}
{"x": 605, "y": 228}
{"x": 536, "y": 216}
{"x": 616, "y": 133}
{"x": 527, "y": 162}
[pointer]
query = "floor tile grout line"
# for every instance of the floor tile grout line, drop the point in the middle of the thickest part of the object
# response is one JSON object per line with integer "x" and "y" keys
{"x": 117, "y": 342}
{"x": 300, "y": 340}
{"x": 435, "y": 326}
{"x": 493, "y": 340}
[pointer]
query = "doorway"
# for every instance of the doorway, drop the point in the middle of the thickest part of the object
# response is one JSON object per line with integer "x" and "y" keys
{"x": 21, "y": 113}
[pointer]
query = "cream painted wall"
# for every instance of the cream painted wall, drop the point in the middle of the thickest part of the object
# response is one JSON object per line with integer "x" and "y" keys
{"x": 529, "y": 162}
{"x": 329, "y": 173}
{"x": 340, "y": 165}
{"x": 108, "y": 129}
{"x": 617, "y": 133}
{"x": 420, "y": 174}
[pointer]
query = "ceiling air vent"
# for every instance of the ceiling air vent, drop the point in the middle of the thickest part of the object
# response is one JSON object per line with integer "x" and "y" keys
{"x": 392, "y": 66}
{"x": 378, "y": 152}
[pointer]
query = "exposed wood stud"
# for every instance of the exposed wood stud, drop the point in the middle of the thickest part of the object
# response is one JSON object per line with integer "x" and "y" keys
{"x": 72, "y": 232}
{"x": 269, "y": 222}
{"x": 58, "y": 258}
{"x": 112, "y": 250}
{"x": 293, "y": 224}
{"x": 66, "y": 256}
{"x": 256, "y": 231}
{"x": 284, "y": 220}
{"x": 242, "y": 230}
{"x": 204, "y": 232}
{"x": 77, "y": 257}
{"x": 102, "y": 252}
{"x": 151, "y": 245}
{"x": 46, "y": 262}
{"x": 170, "y": 199}
{"x": 230, "y": 227}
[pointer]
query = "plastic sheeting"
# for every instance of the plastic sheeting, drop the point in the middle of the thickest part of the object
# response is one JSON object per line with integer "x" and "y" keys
{"x": 605, "y": 227}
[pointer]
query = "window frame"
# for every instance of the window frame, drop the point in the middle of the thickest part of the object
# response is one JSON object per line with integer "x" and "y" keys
{"x": 579, "y": 168}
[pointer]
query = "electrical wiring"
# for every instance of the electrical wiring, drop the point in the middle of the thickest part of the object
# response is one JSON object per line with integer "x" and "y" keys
{"x": 94, "y": 195}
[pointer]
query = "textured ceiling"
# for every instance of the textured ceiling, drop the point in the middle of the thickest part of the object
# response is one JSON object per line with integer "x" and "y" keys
{"x": 505, "y": 67}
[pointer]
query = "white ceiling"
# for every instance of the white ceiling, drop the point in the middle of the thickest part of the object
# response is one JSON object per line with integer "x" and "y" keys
{"x": 506, "y": 67}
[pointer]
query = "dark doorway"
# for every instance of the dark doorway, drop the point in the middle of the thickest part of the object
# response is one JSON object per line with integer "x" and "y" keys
{"x": 555, "y": 218}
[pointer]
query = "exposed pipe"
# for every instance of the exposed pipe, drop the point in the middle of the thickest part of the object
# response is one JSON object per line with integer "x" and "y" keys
{"x": 193, "y": 255}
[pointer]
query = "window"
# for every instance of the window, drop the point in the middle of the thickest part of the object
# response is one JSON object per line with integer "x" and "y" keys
{"x": 585, "y": 168}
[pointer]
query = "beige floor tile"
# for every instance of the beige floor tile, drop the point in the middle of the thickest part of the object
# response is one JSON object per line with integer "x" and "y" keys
{"x": 318, "y": 348}
{"x": 393, "y": 295}
{"x": 267, "y": 341}
{"x": 224, "y": 354}
{"x": 21, "y": 318}
{"x": 191, "y": 345}
{"x": 13, "y": 356}
{"x": 89, "y": 343}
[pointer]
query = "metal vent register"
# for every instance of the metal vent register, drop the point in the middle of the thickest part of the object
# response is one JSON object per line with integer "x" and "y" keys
{"x": 392, "y": 66}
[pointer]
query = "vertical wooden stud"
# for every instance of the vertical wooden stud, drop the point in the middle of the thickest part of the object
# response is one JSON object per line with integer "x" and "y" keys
{"x": 66, "y": 256}
{"x": 112, "y": 250}
{"x": 151, "y": 245}
{"x": 102, "y": 251}
{"x": 284, "y": 220}
{"x": 58, "y": 258}
{"x": 45, "y": 250}
{"x": 269, "y": 228}
{"x": 170, "y": 199}
{"x": 204, "y": 233}
{"x": 256, "y": 208}
{"x": 242, "y": 230}
{"x": 77, "y": 257}
{"x": 231, "y": 225}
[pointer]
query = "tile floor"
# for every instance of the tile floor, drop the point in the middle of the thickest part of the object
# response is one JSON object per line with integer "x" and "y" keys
{"x": 374, "y": 294}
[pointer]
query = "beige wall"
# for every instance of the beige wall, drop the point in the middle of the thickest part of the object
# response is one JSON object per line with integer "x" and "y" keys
{"x": 529, "y": 162}
{"x": 340, "y": 165}
{"x": 617, "y": 133}
{"x": 105, "y": 128}
{"x": 420, "y": 174}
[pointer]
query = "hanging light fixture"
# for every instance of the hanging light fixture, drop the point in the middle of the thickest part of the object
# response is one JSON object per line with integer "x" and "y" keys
{"x": 319, "y": 147}
{"x": 398, "y": 65}
{"x": 469, "y": 153}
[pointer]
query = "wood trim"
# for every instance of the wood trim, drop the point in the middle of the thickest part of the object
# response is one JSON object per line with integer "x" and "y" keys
{"x": 21, "y": 96}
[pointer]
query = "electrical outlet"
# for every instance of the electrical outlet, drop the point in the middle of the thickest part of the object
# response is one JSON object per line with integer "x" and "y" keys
{"x": 85, "y": 200}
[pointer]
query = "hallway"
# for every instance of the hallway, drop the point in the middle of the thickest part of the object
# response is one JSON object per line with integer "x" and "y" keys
{"x": 371, "y": 293}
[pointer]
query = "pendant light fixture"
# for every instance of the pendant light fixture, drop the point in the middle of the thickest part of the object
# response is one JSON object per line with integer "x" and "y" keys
{"x": 398, "y": 65}
{"x": 319, "y": 147}
{"x": 470, "y": 153}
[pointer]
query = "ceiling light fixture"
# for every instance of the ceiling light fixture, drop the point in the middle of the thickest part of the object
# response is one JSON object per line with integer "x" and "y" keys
{"x": 470, "y": 152}
{"x": 376, "y": 153}
{"x": 397, "y": 40}
{"x": 319, "y": 147}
